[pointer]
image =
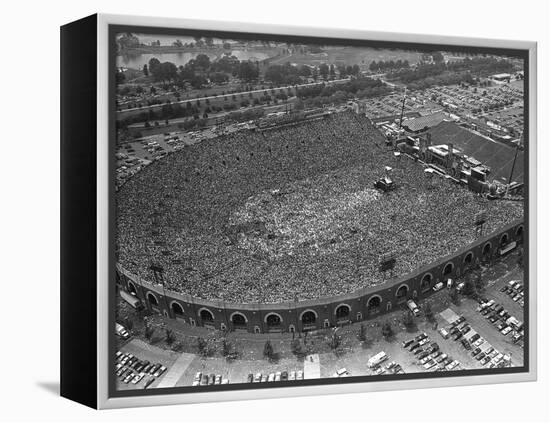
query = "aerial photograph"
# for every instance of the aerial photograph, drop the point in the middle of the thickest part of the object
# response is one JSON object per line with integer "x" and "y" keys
{"x": 287, "y": 210}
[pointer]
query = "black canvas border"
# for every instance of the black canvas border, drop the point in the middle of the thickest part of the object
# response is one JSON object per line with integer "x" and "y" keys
{"x": 113, "y": 29}
{"x": 78, "y": 211}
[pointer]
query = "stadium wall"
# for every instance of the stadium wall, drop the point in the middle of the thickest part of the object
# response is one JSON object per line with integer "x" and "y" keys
{"x": 322, "y": 312}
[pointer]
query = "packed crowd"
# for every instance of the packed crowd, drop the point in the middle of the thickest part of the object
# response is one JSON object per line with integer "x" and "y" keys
{"x": 290, "y": 214}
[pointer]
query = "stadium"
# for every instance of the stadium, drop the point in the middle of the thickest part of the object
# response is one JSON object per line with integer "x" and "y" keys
{"x": 283, "y": 229}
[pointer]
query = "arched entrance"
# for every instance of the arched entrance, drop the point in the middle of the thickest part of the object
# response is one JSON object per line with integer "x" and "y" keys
{"x": 503, "y": 240}
{"x": 177, "y": 309}
{"x": 402, "y": 293}
{"x": 273, "y": 322}
{"x": 468, "y": 259}
{"x": 309, "y": 319}
{"x": 487, "y": 249}
{"x": 132, "y": 288}
{"x": 448, "y": 269}
{"x": 206, "y": 315}
{"x": 426, "y": 282}
{"x": 342, "y": 312}
{"x": 152, "y": 299}
{"x": 239, "y": 320}
{"x": 519, "y": 233}
{"x": 373, "y": 305}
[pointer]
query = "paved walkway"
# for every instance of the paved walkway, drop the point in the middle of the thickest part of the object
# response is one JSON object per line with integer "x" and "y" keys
{"x": 176, "y": 371}
{"x": 312, "y": 367}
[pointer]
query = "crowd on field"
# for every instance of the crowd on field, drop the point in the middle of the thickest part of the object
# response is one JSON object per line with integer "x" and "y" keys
{"x": 290, "y": 214}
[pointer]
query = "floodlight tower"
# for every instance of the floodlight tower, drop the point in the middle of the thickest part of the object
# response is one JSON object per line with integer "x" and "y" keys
{"x": 402, "y": 108}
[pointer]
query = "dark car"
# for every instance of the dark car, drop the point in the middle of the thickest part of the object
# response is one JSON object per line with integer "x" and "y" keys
{"x": 504, "y": 288}
{"x": 407, "y": 343}
{"x": 475, "y": 337}
{"x": 419, "y": 351}
{"x": 480, "y": 357}
{"x": 284, "y": 376}
{"x": 250, "y": 378}
{"x": 458, "y": 336}
{"x": 465, "y": 330}
{"x": 460, "y": 320}
{"x": 414, "y": 346}
{"x": 466, "y": 344}
{"x": 476, "y": 351}
{"x": 212, "y": 379}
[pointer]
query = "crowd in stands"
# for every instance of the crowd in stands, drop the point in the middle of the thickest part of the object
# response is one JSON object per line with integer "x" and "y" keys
{"x": 290, "y": 214}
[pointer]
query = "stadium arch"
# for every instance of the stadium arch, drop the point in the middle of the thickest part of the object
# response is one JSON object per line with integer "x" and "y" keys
{"x": 206, "y": 315}
{"x": 132, "y": 288}
{"x": 152, "y": 299}
{"x": 342, "y": 312}
{"x": 402, "y": 292}
{"x": 519, "y": 233}
{"x": 374, "y": 304}
{"x": 273, "y": 320}
{"x": 426, "y": 282}
{"x": 448, "y": 269}
{"x": 177, "y": 309}
{"x": 504, "y": 239}
{"x": 468, "y": 259}
{"x": 309, "y": 317}
{"x": 238, "y": 320}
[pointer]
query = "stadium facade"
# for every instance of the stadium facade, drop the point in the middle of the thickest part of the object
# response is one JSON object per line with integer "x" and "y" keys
{"x": 323, "y": 312}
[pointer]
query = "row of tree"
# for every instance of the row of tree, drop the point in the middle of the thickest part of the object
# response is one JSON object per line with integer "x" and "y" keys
{"x": 384, "y": 66}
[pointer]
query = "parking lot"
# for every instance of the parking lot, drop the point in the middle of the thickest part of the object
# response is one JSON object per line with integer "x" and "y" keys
{"x": 353, "y": 358}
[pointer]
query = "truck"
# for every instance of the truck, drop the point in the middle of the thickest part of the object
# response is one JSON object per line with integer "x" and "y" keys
{"x": 413, "y": 307}
{"x": 377, "y": 359}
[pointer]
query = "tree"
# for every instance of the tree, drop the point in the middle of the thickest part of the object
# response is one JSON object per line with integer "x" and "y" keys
{"x": 323, "y": 70}
{"x": 453, "y": 296}
{"x": 247, "y": 71}
{"x": 202, "y": 346}
{"x": 268, "y": 350}
{"x": 149, "y": 329}
{"x": 153, "y": 63}
{"x": 387, "y": 331}
{"x": 296, "y": 348}
{"x": 226, "y": 347}
{"x": 170, "y": 338}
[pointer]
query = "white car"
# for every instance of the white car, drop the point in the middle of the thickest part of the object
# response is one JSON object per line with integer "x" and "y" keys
{"x": 506, "y": 330}
{"x": 271, "y": 377}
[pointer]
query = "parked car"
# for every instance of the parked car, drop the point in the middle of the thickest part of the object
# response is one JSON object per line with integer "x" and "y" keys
{"x": 250, "y": 378}
{"x": 406, "y": 344}
{"x": 506, "y": 330}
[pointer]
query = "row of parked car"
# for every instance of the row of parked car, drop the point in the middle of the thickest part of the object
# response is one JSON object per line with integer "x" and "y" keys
{"x": 515, "y": 291}
{"x": 429, "y": 355}
{"x": 130, "y": 369}
{"x": 212, "y": 379}
{"x": 275, "y": 377}
{"x": 502, "y": 320}
{"x": 480, "y": 349}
